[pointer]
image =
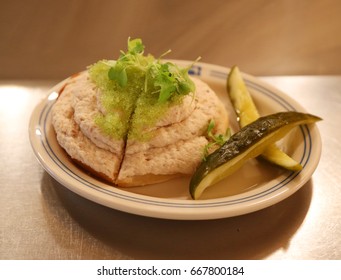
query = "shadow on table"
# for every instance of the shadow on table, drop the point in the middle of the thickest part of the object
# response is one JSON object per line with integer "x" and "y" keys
{"x": 251, "y": 236}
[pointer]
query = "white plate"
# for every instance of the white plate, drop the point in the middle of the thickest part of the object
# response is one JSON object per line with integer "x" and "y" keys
{"x": 256, "y": 186}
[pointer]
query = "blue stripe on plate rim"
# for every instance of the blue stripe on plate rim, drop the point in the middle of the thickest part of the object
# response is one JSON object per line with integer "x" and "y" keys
{"x": 183, "y": 203}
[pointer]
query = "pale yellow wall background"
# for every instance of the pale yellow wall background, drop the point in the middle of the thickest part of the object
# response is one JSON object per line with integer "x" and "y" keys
{"x": 53, "y": 39}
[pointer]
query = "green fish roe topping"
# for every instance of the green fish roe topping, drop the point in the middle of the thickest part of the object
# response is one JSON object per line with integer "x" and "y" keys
{"x": 136, "y": 91}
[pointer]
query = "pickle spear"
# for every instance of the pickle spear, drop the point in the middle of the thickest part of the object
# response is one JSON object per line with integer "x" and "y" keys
{"x": 247, "y": 143}
{"x": 247, "y": 112}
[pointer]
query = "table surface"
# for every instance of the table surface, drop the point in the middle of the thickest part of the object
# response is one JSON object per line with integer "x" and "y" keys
{"x": 41, "y": 219}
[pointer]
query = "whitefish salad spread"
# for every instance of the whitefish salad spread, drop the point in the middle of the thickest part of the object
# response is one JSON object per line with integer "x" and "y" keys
{"x": 137, "y": 120}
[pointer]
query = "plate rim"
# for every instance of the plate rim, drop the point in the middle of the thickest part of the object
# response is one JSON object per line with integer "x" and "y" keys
{"x": 166, "y": 208}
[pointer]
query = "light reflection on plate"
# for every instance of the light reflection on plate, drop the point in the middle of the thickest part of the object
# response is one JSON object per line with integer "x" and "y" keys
{"x": 255, "y": 186}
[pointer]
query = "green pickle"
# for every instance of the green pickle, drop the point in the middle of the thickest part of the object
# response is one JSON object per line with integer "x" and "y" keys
{"x": 249, "y": 142}
{"x": 247, "y": 113}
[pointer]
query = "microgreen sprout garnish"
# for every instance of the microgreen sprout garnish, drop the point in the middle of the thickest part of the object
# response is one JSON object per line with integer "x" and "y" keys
{"x": 118, "y": 72}
{"x": 215, "y": 139}
{"x": 165, "y": 79}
